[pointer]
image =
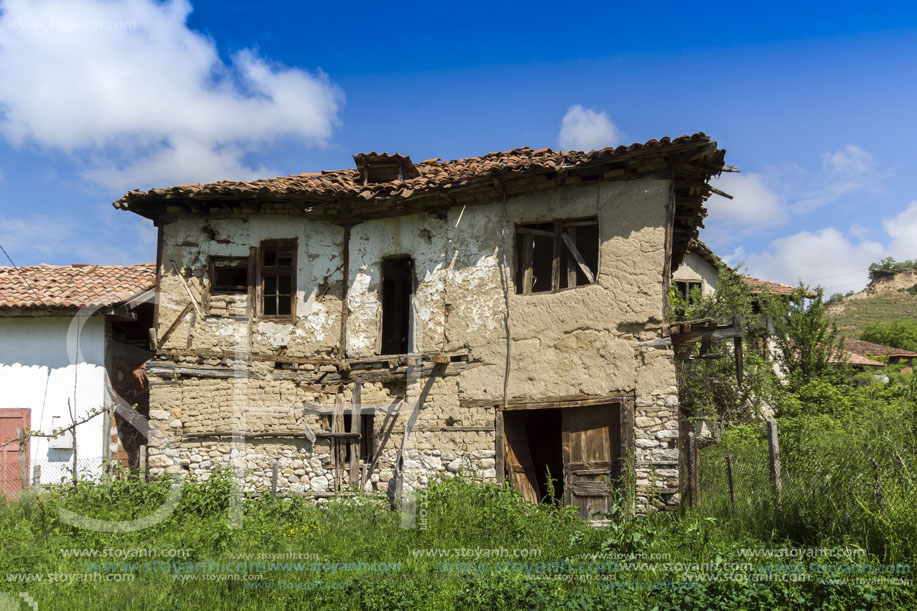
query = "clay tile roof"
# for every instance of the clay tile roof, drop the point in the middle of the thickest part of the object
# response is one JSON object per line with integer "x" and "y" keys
{"x": 430, "y": 175}
{"x": 862, "y": 361}
{"x": 72, "y": 287}
{"x": 756, "y": 285}
{"x": 863, "y": 348}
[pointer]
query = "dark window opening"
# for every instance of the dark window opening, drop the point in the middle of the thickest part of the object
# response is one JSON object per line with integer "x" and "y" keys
{"x": 689, "y": 290}
{"x": 278, "y": 285}
{"x": 366, "y": 436}
{"x": 397, "y": 288}
{"x": 229, "y": 275}
{"x": 555, "y": 256}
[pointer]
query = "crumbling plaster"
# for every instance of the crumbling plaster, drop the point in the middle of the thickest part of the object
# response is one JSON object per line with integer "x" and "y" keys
{"x": 581, "y": 340}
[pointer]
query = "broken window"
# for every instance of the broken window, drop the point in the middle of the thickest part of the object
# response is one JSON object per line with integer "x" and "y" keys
{"x": 229, "y": 275}
{"x": 554, "y": 256}
{"x": 278, "y": 278}
{"x": 397, "y": 288}
{"x": 690, "y": 290}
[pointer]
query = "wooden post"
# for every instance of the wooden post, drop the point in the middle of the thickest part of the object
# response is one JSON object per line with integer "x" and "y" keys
{"x": 880, "y": 501}
{"x": 739, "y": 353}
{"x": 141, "y": 461}
{"x": 773, "y": 446}
{"x": 693, "y": 489}
{"x": 732, "y": 488}
{"x": 275, "y": 470}
{"x": 36, "y": 477}
{"x": 337, "y": 454}
{"x": 23, "y": 457}
{"x": 355, "y": 442}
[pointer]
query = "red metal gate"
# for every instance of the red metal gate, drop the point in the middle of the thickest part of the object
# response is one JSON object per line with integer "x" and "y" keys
{"x": 12, "y": 419}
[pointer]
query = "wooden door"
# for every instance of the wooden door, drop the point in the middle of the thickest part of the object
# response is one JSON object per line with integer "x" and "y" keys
{"x": 10, "y": 469}
{"x": 588, "y": 434}
{"x": 518, "y": 457}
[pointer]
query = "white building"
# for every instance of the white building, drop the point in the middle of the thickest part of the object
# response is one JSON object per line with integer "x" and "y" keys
{"x": 72, "y": 340}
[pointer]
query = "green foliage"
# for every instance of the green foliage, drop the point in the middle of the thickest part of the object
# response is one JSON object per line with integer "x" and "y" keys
{"x": 900, "y": 333}
{"x": 888, "y": 267}
{"x": 809, "y": 343}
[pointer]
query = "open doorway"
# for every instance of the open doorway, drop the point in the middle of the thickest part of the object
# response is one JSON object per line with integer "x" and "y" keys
{"x": 397, "y": 288}
{"x": 570, "y": 454}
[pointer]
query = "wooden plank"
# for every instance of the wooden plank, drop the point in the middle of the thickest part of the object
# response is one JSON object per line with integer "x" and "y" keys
{"x": 270, "y": 435}
{"x": 555, "y": 262}
{"x": 528, "y": 262}
{"x": 546, "y": 402}
{"x": 571, "y": 263}
{"x": 499, "y": 459}
{"x": 185, "y": 284}
{"x": 579, "y": 258}
{"x": 355, "y": 427}
{"x": 337, "y": 426}
{"x": 693, "y": 489}
{"x": 773, "y": 446}
{"x": 519, "y": 462}
{"x": 181, "y": 316}
{"x": 535, "y": 232}
{"x": 732, "y": 487}
{"x": 707, "y": 336}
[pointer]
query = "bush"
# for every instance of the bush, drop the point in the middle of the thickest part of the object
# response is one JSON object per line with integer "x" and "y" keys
{"x": 897, "y": 334}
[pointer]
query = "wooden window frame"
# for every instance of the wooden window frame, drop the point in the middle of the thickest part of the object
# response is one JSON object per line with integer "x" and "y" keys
{"x": 214, "y": 261}
{"x": 263, "y": 271}
{"x": 689, "y": 284}
{"x": 564, "y": 236}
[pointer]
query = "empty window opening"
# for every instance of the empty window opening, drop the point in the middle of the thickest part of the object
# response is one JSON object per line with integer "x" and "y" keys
{"x": 397, "y": 288}
{"x": 278, "y": 280}
{"x": 689, "y": 290}
{"x": 554, "y": 256}
{"x": 366, "y": 436}
{"x": 229, "y": 275}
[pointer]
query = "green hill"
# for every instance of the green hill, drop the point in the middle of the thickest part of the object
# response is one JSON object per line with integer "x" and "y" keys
{"x": 882, "y": 301}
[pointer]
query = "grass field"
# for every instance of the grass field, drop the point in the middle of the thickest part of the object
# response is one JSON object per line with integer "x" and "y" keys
{"x": 883, "y": 307}
{"x": 830, "y": 543}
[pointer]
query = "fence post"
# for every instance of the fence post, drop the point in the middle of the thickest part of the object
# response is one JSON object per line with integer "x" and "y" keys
{"x": 36, "y": 476}
{"x": 773, "y": 446}
{"x": 141, "y": 461}
{"x": 879, "y": 498}
{"x": 732, "y": 488}
{"x": 692, "y": 470}
{"x": 23, "y": 458}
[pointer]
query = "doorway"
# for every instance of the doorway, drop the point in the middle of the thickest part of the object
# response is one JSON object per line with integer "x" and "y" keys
{"x": 569, "y": 454}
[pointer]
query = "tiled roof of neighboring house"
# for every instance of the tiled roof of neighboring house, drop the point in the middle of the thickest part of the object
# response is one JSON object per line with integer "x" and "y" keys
{"x": 863, "y": 348}
{"x": 861, "y": 361}
{"x": 691, "y": 160}
{"x": 759, "y": 286}
{"x": 705, "y": 252}
{"x": 72, "y": 287}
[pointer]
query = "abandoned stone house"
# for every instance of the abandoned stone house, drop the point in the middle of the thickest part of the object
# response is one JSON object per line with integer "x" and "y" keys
{"x": 373, "y": 327}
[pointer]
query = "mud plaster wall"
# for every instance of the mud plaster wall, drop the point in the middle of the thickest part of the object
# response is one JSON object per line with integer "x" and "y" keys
{"x": 697, "y": 269}
{"x": 583, "y": 340}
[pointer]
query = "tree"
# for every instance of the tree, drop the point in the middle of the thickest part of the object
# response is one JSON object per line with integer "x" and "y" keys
{"x": 809, "y": 343}
{"x": 897, "y": 334}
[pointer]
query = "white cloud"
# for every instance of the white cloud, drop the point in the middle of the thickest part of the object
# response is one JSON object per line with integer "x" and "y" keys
{"x": 843, "y": 172}
{"x": 62, "y": 240}
{"x": 903, "y": 230}
{"x": 753, "y": 205}
{"x": 583, "y": 129}
{"x": 831, "y": 259}
{"x": 825, "y": 257}
{"x": 127, "y": 84}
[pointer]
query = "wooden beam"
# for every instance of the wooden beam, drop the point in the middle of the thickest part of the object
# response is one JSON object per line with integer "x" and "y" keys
{"x": 185, "y": 284}
{"x": 707, "y": 336}
{"x": 181, "y": 316}
{"x": 547, "y": 402}
{"x": 579, "y": 258}
{"x": 355, "y": 428}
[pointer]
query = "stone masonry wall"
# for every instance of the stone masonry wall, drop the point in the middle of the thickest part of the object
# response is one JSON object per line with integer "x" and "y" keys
{"x": 585, "y": 340}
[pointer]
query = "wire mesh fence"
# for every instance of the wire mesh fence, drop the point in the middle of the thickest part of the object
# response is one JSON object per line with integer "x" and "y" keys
{"x": 815, "y": 483}
{"x": 45, "y": 473}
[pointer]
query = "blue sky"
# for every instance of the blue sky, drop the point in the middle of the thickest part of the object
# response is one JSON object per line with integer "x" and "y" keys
{"x": 815, "y": 105}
